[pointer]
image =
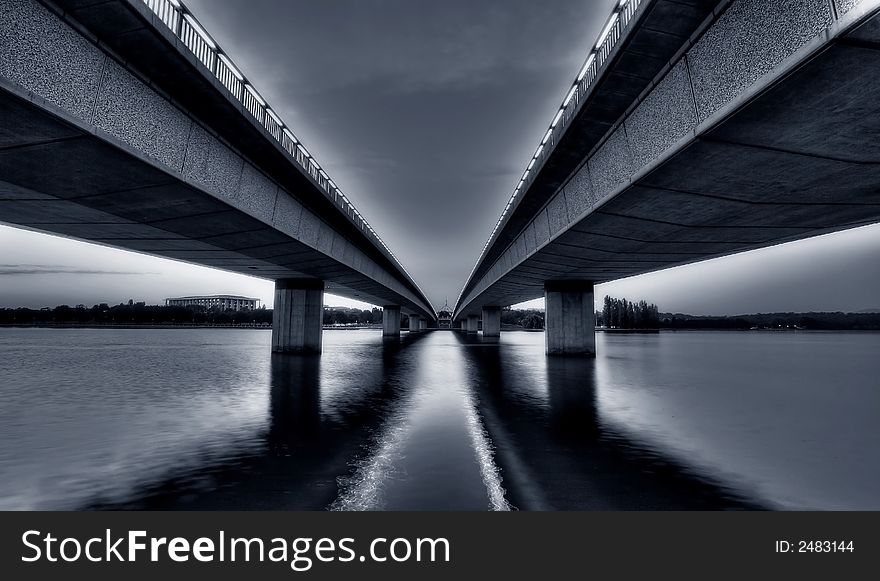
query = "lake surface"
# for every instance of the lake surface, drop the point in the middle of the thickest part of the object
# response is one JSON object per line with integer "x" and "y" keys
{"x": 210, "y": 419}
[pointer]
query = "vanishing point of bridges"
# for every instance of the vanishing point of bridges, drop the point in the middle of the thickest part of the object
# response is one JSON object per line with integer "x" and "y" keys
{"x": 694, "y": 129}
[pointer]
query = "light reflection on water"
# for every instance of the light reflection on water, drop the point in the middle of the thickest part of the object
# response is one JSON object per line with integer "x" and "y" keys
{"x": 203, "y": 419}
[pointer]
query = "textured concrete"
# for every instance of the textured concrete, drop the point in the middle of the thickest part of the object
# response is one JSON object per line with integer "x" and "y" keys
{"x": 138, "y": 116}
{"x": 491, "y": 321}
{"x": 423, "y": 324}
{"x": 287, "y": 216}
{"x": 391, "y": 321}
{"x": 844, "y": 6}
{"x": 298, "y": 316}
{"x": 748, "y": 41}
{"x": 557, "y": 213}
{"x": 569, "y": 319}
{"x": 413, "y": 324}
{"x": 612, "y": 164}
{"x": 579, "y": 194}
{"x": 256, "y": 194}
{"x": 50, "y": 60}
{"x": 212, "y": 165}
{"x": 664, "y": 117}
{"x": 473, "y": 324}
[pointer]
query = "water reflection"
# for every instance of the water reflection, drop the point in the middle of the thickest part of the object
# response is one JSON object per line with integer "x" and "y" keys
{"x": 556, "y": 451}
{"x": 319, "y": 420}
{"x": 207, "y": 419}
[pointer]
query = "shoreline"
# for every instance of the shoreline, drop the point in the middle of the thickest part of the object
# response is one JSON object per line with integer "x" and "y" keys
{"x": 135, "y": 326}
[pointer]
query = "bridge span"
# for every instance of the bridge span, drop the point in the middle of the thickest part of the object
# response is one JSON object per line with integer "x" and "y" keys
{"x": 123, "y": 123}
{"x": 695, "y": 129}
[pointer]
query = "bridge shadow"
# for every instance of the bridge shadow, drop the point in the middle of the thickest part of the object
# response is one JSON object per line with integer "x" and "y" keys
{"x": 557, "y": 452}
{"x": 309, "y": 440}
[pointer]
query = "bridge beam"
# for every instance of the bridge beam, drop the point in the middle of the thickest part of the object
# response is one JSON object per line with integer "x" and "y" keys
{"x": 569, "y": 318}
{"x": 391, "y": 321}
{"x": 298, "y": 315}
{"x": 491, "y": 321}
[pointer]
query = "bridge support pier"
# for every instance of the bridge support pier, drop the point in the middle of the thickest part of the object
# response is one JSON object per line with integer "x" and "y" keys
{"x": 423, "y": 324}
{"x": 491, "y": 321}
{"x": 473, "y": 323}
{"x": 413, "y": 323}
{"x": 569, "y": 318}
{"x": 298, "y": 315}
{"x": 391, "y": 321}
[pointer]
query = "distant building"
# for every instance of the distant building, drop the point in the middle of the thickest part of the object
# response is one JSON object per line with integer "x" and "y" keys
{"x": 444, "y": 317}
{"x": 222, "y": 302}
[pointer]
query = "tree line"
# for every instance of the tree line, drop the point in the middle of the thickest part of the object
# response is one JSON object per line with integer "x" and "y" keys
{"x": 522, "y": 318}
{"x": 834, "y": 321}
{"x": 140, "y": 313}
{"x": 623, "y": 314}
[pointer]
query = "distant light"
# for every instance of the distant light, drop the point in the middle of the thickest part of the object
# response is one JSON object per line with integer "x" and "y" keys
{"x": 303, "y": 150}
{"x": 569, "y": 96}
{"x": 290, "y": 135}
{"x": 539, "y": 151}
{"x": 255, "y": 94}
{"x": 232, "y": 68}
{"x": 547, "y": 136}
{"x": 274, "y": 117}
{"x": 324, "y": 174}
{"x": 175, "y": 3}
{"x": 331, "y": 184}
{"x": 531, "y": 164}
{"x": 622, "y": 4}
{"x": 200, "y": 31}
{"x": 556, "y": 119}
{"x": 314, "y": 162}
{"x": 586, "y": 67}
{"x": 607, "y": 30}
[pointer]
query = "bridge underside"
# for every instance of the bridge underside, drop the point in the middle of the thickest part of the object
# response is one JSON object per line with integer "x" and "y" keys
{"x": 113, "y": 131}
{"x": 789, "y": 158}
{"x": 62, "y": 179}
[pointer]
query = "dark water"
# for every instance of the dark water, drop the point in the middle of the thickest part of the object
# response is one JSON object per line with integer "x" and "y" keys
{"x": 204, "y": 419}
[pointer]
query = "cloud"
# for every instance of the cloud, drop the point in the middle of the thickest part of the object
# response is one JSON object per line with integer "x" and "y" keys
{"x": 27, "y": 269}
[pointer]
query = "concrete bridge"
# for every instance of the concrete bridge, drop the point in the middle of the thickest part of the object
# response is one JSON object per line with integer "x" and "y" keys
{"x": 695, "y": 129}
{"x": 123, "y": 123}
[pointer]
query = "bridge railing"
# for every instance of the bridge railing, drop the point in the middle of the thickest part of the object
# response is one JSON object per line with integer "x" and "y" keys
{"x": 181, "y": 22}
{"x": 608, "y": 39}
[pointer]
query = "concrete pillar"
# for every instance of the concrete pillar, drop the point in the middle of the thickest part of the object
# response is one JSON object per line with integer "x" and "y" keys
{"x": 569, "y": 318}
{"x": 473, "y": 323}
{"x": 423, "y": 324}
{"x": 413, "y": 323}
{"x": 298, "y": 315}
{"x": 491, "y": 321}
{"x": 391, "y": 321}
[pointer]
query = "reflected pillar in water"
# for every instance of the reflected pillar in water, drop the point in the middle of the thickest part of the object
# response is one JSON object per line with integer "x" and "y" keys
{"x": 298, "y": 315}
{"x": 295, "y": 404}
{"x": 473, "y": 323}
{"x": 569, "y": 318}
{"x": 413, "y": 323}
{"x": 491, "y": 321}
{"x": 391, "y": 321}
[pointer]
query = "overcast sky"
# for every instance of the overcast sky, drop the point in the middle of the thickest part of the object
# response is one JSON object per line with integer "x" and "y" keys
{"x": 425, "y": 114}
